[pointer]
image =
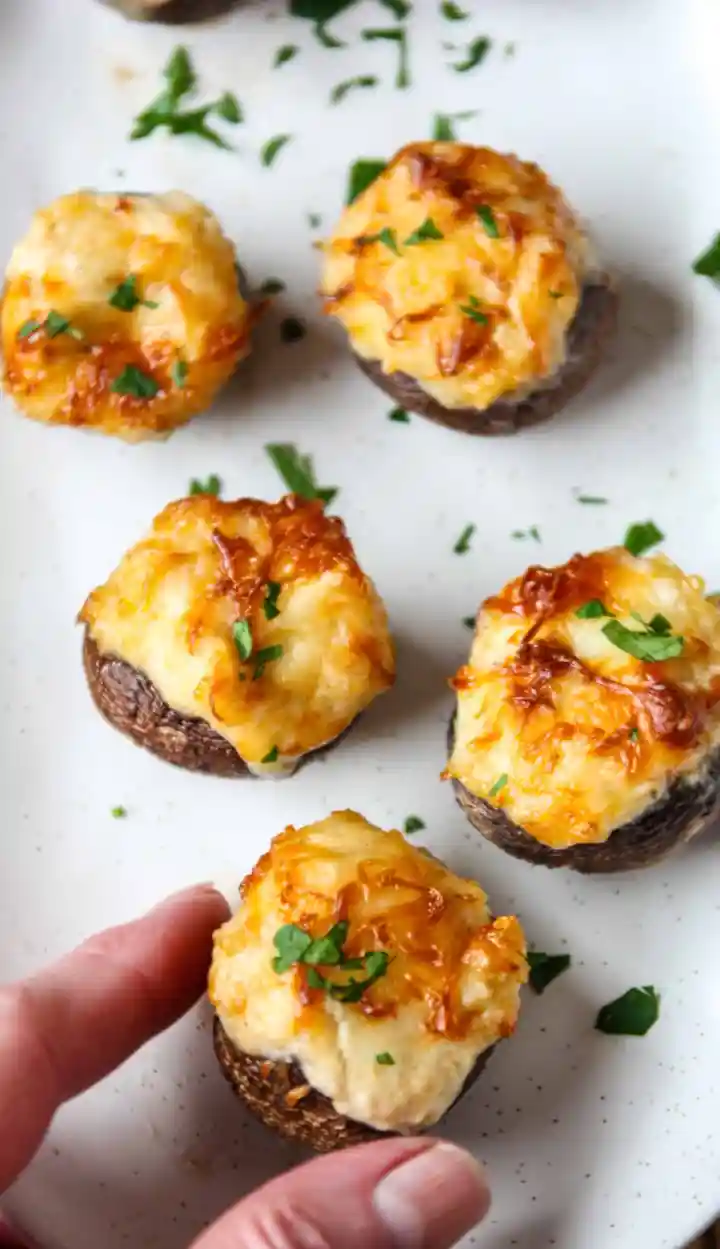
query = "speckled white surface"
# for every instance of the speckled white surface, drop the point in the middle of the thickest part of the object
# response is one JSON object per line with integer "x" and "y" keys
{"x": 592, "y": 1142}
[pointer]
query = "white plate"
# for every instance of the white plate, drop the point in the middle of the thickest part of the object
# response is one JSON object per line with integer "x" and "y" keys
{"x": 592, "y": 1142}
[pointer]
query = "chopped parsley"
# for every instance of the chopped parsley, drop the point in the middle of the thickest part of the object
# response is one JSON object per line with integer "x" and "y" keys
{"x": 469, "y": 622}
{"x": 591, "y": 498}
{"x": 592, "y": 610}
{"x": 462, "y": 546}
{"x": 292, "y": 330}
{"x": 556, "y": 294}
{"x": 243, "y": 638}
{"x": 647, "y": 645}
{"x": 413, "y": 824}
{"x": 362, "y": 174}
{"x": 521, "y": 534}
{"x": 400, "y": 8}
{"x": 53, "y": 325}
{"x": 314, "y": 221}
{"x": 708, "y": 264}
{"x": 477, "y": 51}
{"x": 544, "y": 968}
{"x": 634, "y": 734}
{"x": 180, "y": 82}
{"x": 285, "y": 54}
{"x": 487, "y": 216}
{"x": 500, "y": 783}
{"x": 297, "y": 472}
{"x": 272, "y": 594}
{"x": 212, "y": 485}
{"x": 385, "y": 236}
{"x": 272, "y": 286}
{"x": 272, "y": 148}
{"x": 295, "y": 946}
{"x": 323, "y": 36}
{"x": 265, "y": 656}
{"x": 339, "y": 92}
{"x": 443, "y": 129}
{"x": 271, "y": 756}
{"x": 452, "y": 12}
{"x": 473, "y": 310}
{"x": 633, "y": 1014}
{"x": 132, "y": 381}
{"x": 29, "y": 327}
{"x": 642, "y": 536}
{"x": 399, "y": 415}
{"x": 385, "y": 1060}
{"x": 179, "y": 372}
{"x": 118, "y": 813}
{"x": 395, "y": 34}
{"x": 428, "y": 230}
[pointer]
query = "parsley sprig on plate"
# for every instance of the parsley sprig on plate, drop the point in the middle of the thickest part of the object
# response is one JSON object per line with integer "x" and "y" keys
{"x": 165, "y": 110}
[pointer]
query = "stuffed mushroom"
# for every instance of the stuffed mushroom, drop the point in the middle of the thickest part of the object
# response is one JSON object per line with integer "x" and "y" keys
{"x": 361, "y": 985}
{"x": 587, "y": 728}
{"x": 172, "y": 11}
{"x": 122, "y": 313}
{"x": 239, "y": 637}
{"x": 468, "y": 288}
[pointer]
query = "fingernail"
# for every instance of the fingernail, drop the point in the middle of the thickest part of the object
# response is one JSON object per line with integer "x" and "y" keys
{"x": 433, "y": 1199}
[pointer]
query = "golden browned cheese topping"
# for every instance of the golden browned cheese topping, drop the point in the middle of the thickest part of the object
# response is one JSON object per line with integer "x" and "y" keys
{"x": 449, "y": 991}
{"x": 312, "y": 649}
{"x": 461, "y": 267}
{"x": 584, "y": 735}
{"x": 185, "y": 334}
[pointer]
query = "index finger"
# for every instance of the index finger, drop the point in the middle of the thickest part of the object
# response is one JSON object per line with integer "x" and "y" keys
{"x": 68, "y": 1026}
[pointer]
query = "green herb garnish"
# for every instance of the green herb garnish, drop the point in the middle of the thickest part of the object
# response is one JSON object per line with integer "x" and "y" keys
{"x": 28, "y": 328}
{"x": 323, "y": 36}
{"x": 243, "y": 638}
{"x": 395, "y": 34}
{"x": 179, "y": 372}
{"x": 399, "y": 415}
{"x": 125, "y": 296}
{"x": 118, "y": 813}
{"x": 285, "y": 54}
{"x": 649, "y": 646}
{"x": 385, "y": 1060}
{"x": 462, "y": 546}
{"x": 272, "y": 594}
{"x": 292, "y": 330}
{"x": 452, "y": 12}
{"x": 500, "y": 783}
{"x": 266, "y": 655}
{"x": 640, "y": 537}
{"x": 339, "y": 92}
{"x": 521, "y": 534}
{"x": 633, "y": 1014}
{"x": 271, "y": 756}
{"x": 212, "y": 485}
{"x": 477, "y": 51}
{"x": 413, "y": 824}
{"x": 708, "y": 265}
{"x": 634, "y": 734}
{"x": 443, "y": 129}
{"x": 291, "y": 942}
{"x": 473, "y": 310}
{"x": 400, "y": 8}
{"x": 469, "y": 622}
{"x": 53, "y": 325}
{"x": 544, "y": 968}
{"x": 132, "y": 381}
{"x": 294, "y": 945}
{"x": 592, "y": 610}
{"x": 487, "y": 216}
{"x": 590, "y": 498}
{"x": 297, "y": 472}
{"x": 314, "y": 221}
{"x": 375, "y": 966}
{"x": 385, "y": 236}
{"x": 362, "y": 174}
{"x": 181, "y": 80}
{"x": 428, "y": 230}
{"x": 271, "y": 149}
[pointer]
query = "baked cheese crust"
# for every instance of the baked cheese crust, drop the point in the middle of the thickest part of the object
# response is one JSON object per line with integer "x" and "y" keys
{"x": 186, "y": 333}
{"x": 583, "y": 736}
{"x": 450, "y": 991}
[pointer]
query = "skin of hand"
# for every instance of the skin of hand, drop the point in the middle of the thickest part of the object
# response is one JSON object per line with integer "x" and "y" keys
{"x": 67, "y": 1027}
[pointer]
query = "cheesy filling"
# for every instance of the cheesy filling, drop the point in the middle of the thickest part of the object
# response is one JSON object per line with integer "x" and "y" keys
{"x": 451, "y": 989}
{"x": 574, "y": 736}
{"x": 299, "y": 672}
{"x": 186, "y": 332}
{"x": 479, "y": 305}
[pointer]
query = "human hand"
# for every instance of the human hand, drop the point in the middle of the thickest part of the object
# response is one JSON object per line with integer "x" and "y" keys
{"x": 64, "y": 1029}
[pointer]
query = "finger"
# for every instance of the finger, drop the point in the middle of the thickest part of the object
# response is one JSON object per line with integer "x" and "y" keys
{"x": 395, "y": 1194}
{"x": 68, "y": 1026}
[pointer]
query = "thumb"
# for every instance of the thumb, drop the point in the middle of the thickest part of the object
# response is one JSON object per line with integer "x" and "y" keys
{"x": 394, "y": 1194}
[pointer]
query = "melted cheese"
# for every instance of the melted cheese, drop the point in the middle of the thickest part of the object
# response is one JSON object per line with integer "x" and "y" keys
{"x": 451, "y": 989}
{"x": 75, "y": 254}
{"x": 586, "y": 746}
{"x": 406, "y": 310}
{"x": 170, "y": 606}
